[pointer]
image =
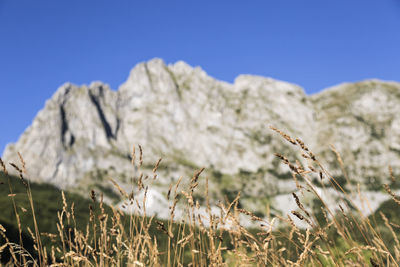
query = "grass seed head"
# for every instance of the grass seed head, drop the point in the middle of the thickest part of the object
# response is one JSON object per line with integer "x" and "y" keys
{"x": 3, "y": 166}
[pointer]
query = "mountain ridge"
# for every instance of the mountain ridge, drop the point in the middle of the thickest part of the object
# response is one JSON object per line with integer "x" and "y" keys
{"x": 84, "y": 134}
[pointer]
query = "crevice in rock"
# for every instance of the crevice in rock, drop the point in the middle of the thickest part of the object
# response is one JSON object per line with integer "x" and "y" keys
{"x": 59, "y": 161}
{"x": 66, "y": 142}
{"x": 118, "y": 125}
{"x": 103, "y": 119}
{"x": 149, "y": 77}
{"x": 44, "y": 147}
{"x": 72, "y": 140}
{"x": 64, "y": 125}
{"x": 177, "y": 88}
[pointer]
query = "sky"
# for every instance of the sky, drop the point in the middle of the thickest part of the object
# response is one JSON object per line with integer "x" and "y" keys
{"x": 315, "y": 44}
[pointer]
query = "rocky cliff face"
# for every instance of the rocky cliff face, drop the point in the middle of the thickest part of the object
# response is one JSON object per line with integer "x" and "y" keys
{"x": 363, "y": 122}
{"x": 85, "y": 134}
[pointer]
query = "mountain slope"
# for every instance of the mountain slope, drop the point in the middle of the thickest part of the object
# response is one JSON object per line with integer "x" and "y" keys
{"x": 85, "y": 134}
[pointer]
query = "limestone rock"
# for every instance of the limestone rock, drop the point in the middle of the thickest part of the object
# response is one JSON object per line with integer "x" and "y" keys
{"x": 84, "y": 134}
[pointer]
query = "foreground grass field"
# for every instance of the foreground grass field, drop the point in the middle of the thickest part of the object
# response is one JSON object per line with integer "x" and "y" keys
{"x": 41, "y": 226}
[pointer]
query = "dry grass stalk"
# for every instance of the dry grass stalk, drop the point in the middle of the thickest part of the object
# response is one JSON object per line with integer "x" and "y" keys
{"x": 391, "y": 174}
{"x": 393, "y": 195}
{"x": 300, "y": 205}
{"x": 116, "y": 185}
{"x": 156, "y": 166}
{"x": 284, "y": 135}
{"x": 21, "y": 159}
{"x": 133, "y": 156}
{"x": 140, "y": 156}
{"x": 108, "y": 241}
{"x": 3, "y": 166}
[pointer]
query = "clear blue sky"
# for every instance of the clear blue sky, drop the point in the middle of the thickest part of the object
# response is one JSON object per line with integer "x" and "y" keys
{"x": 313, "y": 43}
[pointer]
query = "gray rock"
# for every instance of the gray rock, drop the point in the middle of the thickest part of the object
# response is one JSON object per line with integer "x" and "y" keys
{"x": 84, "y": 134}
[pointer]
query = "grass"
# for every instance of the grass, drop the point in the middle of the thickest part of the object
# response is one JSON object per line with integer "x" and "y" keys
{"x": 42, "y": 226}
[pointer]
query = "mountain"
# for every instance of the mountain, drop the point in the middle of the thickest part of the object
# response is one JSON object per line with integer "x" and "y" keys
{"x": 85, "y": 134}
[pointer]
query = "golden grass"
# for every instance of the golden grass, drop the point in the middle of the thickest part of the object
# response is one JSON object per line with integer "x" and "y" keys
{"x": 345, "y": 238}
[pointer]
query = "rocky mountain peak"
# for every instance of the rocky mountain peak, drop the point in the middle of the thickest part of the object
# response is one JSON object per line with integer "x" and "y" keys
{"x": 84, "y": 134}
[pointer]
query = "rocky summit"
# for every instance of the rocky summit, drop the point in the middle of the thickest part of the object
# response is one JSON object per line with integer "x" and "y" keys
{"x": 84, "y": 135}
